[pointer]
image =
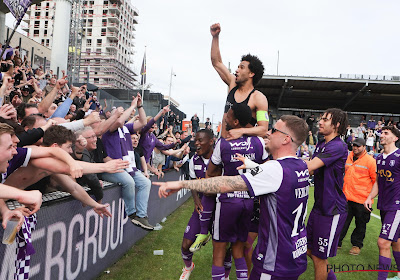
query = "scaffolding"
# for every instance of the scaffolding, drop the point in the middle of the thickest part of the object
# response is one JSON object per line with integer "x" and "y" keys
{"x": 75, "y": 42}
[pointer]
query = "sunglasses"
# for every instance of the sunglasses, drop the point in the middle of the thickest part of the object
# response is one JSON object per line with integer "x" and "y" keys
{"x": 273, "y": 130}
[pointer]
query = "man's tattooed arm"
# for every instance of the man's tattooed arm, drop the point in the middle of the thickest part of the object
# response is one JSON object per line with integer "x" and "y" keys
{"x": 221, "y": 184}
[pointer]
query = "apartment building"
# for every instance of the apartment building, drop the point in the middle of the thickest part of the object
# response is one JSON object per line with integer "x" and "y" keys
{"x": 106, "y": 48}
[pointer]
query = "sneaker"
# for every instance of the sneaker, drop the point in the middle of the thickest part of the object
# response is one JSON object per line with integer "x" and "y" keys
{"x": 186, "y": 272}
{"x": 355, "y": 251}
{"x": 201, "y": 240}
{"x": 142, "y": 222}
{"x": 393, "y": 278}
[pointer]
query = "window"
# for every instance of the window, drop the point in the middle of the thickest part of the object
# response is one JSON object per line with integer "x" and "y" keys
{"x": 46, "y": 24}
{"x": 47, "y": 14}
{"x": 36, "y": 33}
{"x": 37, "y": 14}
{"x": 99, "y": 42}
{"x": 89, "y": 42}
{"x": 45, "y": 33}
{"x": 47, "y": 42}
{"x": 42, "y": 42}
{"x": 89, "y": 32}
{"x": 90, "y": 22}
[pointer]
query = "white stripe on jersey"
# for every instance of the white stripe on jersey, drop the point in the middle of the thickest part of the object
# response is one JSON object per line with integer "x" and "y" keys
{"x": 395, "y": 225}
{"x": 216, "y": 220}
{"x": 335, "y": 222}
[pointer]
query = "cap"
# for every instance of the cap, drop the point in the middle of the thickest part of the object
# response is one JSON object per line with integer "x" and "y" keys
{"x": 359, "y": 142}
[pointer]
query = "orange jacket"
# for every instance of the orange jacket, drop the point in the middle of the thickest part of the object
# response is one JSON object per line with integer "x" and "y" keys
{"x": 359, "y": 177}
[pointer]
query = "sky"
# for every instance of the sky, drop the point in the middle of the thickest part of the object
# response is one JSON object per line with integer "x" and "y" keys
{"x": 314, "y": 38}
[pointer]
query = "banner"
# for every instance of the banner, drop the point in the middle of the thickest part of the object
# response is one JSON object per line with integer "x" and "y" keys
{"x": 18, "y": 8}
{"x": 73, "y": 242}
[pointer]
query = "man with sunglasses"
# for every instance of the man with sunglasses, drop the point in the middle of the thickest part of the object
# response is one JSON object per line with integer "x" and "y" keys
{"x": 329, "y": 212}
{"x": 359, "y": 177}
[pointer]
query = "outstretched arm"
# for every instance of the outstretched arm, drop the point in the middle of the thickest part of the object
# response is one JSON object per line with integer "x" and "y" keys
{"x": 55, "y": 152}
{"x": 31, "y": 199}
{"x": 72, "y": 187}
{"x": 216, "y": 58}
{"x": 222, "y": 184}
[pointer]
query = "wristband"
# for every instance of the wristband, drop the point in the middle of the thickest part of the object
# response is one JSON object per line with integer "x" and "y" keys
{"x": 141, "y": 106}
{"x": 250, "y": 164}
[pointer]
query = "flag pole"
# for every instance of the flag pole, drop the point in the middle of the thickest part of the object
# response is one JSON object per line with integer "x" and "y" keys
{"x": 9, "y": 39}
{"x": 144, "y": 72}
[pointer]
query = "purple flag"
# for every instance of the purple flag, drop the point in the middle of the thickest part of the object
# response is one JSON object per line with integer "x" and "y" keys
{"x": 18, "y": 8}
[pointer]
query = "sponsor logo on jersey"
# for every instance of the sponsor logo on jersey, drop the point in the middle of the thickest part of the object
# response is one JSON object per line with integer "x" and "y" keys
{"x": 197, "y": 167}
{"x": 241, "y": 145}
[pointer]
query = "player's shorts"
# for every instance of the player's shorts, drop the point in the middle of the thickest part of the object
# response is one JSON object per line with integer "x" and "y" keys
{"x": 256, "y": 216}
{"x": 390, "y": 225}
{"x": 257, "y": 275}
{"x": 323, "y": 233}
{"x": 232, "y": 220}
{"x": 193, "y": 227}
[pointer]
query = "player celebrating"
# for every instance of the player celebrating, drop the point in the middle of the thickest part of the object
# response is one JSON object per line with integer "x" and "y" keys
{"x": 197, "y": 170}
{"x": 387, "y": 186}
{"x": 241, "y": 89}
{"x": 330, "y": 208}
{"x": 282, "y": 185}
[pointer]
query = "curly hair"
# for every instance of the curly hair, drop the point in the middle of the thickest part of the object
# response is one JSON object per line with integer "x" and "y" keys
{"x": 338, "y": 117}
{"x": 255, "y": 66}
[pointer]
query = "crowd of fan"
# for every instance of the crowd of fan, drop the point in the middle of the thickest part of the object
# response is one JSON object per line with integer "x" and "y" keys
{"x": 112, "y": 144}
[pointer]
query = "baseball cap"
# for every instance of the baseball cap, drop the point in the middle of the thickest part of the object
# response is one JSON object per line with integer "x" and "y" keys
{"x": 359, "y": 142}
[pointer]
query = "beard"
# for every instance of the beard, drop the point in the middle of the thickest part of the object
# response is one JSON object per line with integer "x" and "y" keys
{"x": 228, "y": 127}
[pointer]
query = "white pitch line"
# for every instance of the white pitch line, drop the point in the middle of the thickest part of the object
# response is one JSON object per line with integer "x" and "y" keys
{"x": 375, "y": 216}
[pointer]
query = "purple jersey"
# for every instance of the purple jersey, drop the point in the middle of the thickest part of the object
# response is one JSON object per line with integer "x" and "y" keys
{"x": 251, "y": 147}
{"x": 329, "y": 196}
{"x": 118, "y": 144}
{"x": 148, "y": 141}
{"x": 19, "y": 160}
{"x": 282, "y": 186}
{"x": 388, "y": 176}
{"x": 198, "y": 167}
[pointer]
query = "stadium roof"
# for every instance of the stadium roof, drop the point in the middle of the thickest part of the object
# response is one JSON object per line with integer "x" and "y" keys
{"x": 349, "y": 94}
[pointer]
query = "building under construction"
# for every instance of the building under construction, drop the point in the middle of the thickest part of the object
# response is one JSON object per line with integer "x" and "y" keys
{"x": 101, "y": 39}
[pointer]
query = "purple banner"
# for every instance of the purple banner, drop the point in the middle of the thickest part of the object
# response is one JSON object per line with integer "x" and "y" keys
{"x": 18, "y": 7}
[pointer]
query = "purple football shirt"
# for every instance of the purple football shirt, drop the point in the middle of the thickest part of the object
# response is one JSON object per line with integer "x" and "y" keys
{"x": 282, "y": 186}
{"x": 251, "y": 147}
{"x": 328, "y": 180}
{"x": 198, "y": 167}
{"x": 118, "y": 144}
{"x": 148, "y": 141}
{"x": 19, "y": 160}
{"x": 388, "y": 176}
